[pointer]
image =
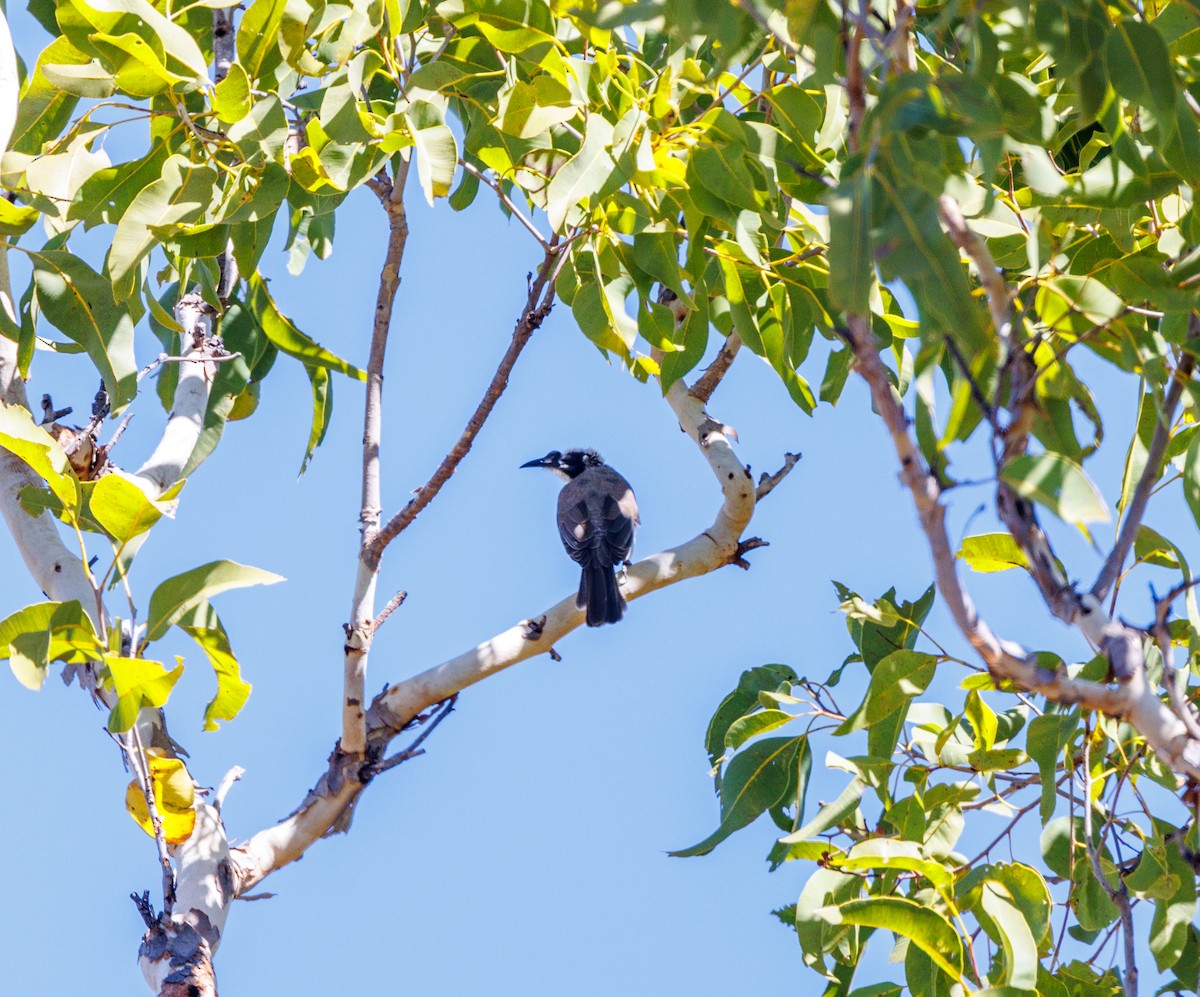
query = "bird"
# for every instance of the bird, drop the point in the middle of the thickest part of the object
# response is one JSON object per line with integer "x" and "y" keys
{"x": 597, "y": 517}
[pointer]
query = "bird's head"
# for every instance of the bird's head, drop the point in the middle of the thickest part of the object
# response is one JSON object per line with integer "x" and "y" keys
{"x": 567, "y": 464}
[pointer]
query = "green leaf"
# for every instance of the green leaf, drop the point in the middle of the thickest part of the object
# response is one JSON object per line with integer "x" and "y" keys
{"x": 891, "y": 854}
{"x": 923, "y": 926}
{"x": 747, "y": 727}
{"x": 1048, "y": 735}
{"x": 284, "y": 335}
{"x": 436, "y": 149}
{"x": 1012, "y": 932}
{"x": 583, "y": 176}
{"x": 258, "y": 38}
{"x": 1059, "y": 484}
{"x": 528, "y": 109}
{"x": 231, "y": 97}
{"x": 1139, "y": 66}
{"x": 183, "y": 193}
{"x": 38, "y": 449}
{"x": 757, "y": 779}
{"x": 322, "y": 392}
{"x": 1174, "y": 913}
{"x": 1191, "y": 477}
{"x": 45, "y": 108}
{"x": 851, "y": 261}
{"x": 988, "y": 552}
{"x": 203, "y": 625}
{"x": 830, "y": 815}
{"x": 33, "y": 637}
{"x": 896, "y": 681}
{"x": 1153, "y": 548}
{"x": 82, "y": 304}
{"x": 1072, "y": 304}
{"x": 744, "y": 701}
{"x": 138, "y": 18}
{"x": 89, "y": 80}
{"x": 123, "y": 509}
{"x": 138, "y": 683}
{"x": 175, "y": 597}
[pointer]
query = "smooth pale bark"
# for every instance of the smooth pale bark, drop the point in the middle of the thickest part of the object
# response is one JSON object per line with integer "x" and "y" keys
{"x": 719, "y": 545}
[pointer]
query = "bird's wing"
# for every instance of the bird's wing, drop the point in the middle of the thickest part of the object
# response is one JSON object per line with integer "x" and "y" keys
{"x": 574, "y": 526}
{"x": 618, "y": 528}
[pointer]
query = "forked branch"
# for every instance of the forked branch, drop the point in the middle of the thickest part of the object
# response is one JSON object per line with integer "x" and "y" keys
{"x": 329, "y": 805}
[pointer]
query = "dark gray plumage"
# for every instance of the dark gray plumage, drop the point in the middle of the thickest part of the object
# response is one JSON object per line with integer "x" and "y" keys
{"x": 597, "y": 517}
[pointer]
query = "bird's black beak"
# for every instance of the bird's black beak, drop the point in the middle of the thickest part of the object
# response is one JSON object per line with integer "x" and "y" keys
{"x": 540, "y": 462}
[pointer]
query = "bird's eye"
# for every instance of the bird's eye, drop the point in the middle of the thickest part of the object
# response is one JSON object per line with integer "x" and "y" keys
{"x": 554, "y": 455}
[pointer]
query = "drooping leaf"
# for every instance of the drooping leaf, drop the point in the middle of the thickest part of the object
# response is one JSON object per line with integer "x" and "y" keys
{"x": 1059, "y": 484}
{"x": 284, "y": 335}
{"x": 923, "y": 926}
{"x": 202, "y": 624}
{"x": 82, "y": 303}
{"x": 138, "y": 683}
{"x": 176, "y": 596}
{"x": 174, "y": 795}
{"x": 757, "y": 779}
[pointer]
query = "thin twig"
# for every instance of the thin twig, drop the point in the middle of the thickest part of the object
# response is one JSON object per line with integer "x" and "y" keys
{"x": 226, "y": 784}
{"x": 126, "y": 419}
{"x": 538, "y": 302}
{"x": 767, "y": 483}
{"x": 394, "y": 603}
{"x": 1150, "y": 473}
{"x": 1119, "y": 897}
{"x": 999, "y": 297}
{"x": 441, "y": 711}
{"x": 506, "y": 201}
{"x": 702, "y": 390}
{"x": 163, "y": 358}
{"x": 141, "y": 768}
{"x": 1180, "y": 705}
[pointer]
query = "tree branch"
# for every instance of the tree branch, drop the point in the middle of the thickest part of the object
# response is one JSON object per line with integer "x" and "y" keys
{"x": 538, "y": 303}
{"x": 329, "y": 805}
{"x": 362, "y": 605}
{"x": 999, "y": 298}
{"x": 165, "y": 465}
{"x": 1155, "y": 456}
{"x": 704, "y": 388}
{"x": 1132, "y": 700}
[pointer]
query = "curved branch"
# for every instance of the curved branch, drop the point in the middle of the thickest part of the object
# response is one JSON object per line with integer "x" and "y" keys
{"x": 538, "y": 302}
{"x": 1133, "y": 699}
{"x": 182, "y": 431}
{"x": 328, "y": 807}
{"x": 362, "y": 603}
{"x": 1155, "y": 457}
{"x": 717, "y": 370}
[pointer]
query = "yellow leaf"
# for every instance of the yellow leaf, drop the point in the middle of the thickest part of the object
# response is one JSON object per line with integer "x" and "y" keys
{"x": 174, "y": 798}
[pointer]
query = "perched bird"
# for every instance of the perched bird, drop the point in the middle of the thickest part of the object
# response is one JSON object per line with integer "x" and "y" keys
{"x": 597, "y": 515}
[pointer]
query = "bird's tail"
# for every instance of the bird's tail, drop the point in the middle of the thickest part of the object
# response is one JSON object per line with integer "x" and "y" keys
{"x": 598, "y": 593}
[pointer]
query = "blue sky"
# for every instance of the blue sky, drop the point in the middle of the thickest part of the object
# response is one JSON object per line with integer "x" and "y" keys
{"x": 526, "y": 853}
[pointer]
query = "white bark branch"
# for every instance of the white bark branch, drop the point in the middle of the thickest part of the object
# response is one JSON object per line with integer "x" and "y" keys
{"x": 327, "y": 806}
{"x": 1133, "y": 699}
{"x": 165, "y": 465}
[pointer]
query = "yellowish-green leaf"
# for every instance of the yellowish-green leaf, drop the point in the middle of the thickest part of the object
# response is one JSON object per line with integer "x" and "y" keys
{"x": 989, "y": 552}
{"x": 175, "y": 597}
{"x": 37, "y": 448}
{"x": 138, "y": 683}
{"x": 1059, "y": 484}
{"x": 174, "y": 798}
